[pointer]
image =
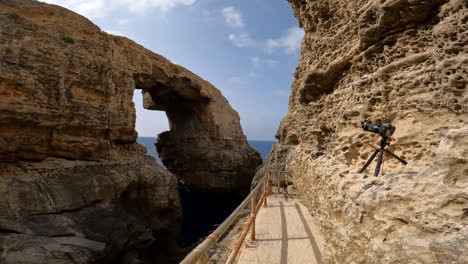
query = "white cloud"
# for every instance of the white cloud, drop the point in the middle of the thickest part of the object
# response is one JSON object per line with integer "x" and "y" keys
{"x": 242, "y": 40}
{"x": 101, "y": 8}
{"x": 233, "y": 17}
{"x": 255, "y": 61}
{"x": 140, "y": 6}
{"x": 122, "y": 22}
{"x": 88, "y": 8}
{"x": 289, "y": 42}
{"x": 116, "y": 32}
{"x": 259, "y": 63}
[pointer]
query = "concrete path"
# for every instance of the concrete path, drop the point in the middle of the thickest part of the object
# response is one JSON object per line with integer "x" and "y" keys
{"x": 286, "y": 233}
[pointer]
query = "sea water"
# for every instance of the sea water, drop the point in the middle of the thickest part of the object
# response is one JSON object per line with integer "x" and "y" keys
{"x": 198, "y": 219}
{"x": 263, "y": 147}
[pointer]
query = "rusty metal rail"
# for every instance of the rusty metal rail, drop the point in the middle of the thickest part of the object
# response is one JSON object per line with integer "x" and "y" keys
{"x": 199, "y": 255}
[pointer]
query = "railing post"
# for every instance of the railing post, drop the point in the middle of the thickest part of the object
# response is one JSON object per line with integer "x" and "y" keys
{"x": 270, "y": 184}
{"x": 200, "y": 253}
{"x": 253, "y": 215}
{"x": 278, "y": 183}
{"x": 265, "y": 188}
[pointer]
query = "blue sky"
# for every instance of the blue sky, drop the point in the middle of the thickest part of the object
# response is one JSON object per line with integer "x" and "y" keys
{"x": 246, "y": 48}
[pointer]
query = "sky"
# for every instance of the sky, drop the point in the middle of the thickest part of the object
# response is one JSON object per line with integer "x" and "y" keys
{"x": 248, "y": 49}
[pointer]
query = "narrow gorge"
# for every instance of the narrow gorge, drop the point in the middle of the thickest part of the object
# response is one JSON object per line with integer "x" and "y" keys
{"x": 75, "y": 185}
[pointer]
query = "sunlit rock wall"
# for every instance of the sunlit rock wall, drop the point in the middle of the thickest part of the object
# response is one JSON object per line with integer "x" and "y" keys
{"x": 75, "y": 186}
{"x": 395, "y": 61}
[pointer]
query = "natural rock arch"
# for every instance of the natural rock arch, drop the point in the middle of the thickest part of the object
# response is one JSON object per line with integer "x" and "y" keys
{"x": 205, "y": 147}
{"x": 74, "y": 183}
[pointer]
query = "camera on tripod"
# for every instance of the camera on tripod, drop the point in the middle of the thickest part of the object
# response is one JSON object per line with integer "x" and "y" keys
{"x": 385, "y": 131}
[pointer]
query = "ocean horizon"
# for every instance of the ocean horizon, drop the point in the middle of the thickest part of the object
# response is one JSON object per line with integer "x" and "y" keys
{"x": 261, "y": 146}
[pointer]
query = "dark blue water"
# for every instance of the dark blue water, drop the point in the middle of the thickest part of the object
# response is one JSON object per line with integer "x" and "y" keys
{"x": 263, "y": 147}
{"x": 148, "y": 143}
{"x": 198, "y": 219}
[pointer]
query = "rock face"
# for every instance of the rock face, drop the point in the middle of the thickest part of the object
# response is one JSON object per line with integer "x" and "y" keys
{"x": 69, "y": 211}
{"x": 394, "y": 61}
{"x": 205, "y": 146}
{"x": 75, "y": 185}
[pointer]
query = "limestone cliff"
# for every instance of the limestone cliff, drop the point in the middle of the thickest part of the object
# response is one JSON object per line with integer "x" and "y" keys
{"x": 394, "y": 61}
{"x": 205, "y": 146}
{"x": 75, "y": 186}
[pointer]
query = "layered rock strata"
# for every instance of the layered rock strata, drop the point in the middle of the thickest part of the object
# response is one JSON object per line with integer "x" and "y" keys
{"x": 393, "y": 61}
{"x": 74, "y": 211}
{"x": 75, "y": 185}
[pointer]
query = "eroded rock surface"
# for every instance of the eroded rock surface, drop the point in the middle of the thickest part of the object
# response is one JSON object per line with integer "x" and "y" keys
{"x": 205, "y": 146}
{"x": 75, "y": 186}
{"x": 69, "y": 211}
{"x": 396, "y": 61}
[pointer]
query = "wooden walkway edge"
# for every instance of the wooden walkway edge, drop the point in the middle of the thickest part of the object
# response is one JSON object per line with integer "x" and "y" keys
{"x": 280, "y": 228}
{"x": 285, "y": 233}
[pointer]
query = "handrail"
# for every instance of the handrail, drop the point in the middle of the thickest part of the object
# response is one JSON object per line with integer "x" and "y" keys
{"x": 200, "y": 253}
{"x": 250, "y": 224}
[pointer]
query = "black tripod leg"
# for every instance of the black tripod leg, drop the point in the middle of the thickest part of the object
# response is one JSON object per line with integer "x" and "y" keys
{"x": 285, "y": 190}
{"x": 396, "y": 157}
{"x": 369, "y": 161}
{"x": 379, "y": 164}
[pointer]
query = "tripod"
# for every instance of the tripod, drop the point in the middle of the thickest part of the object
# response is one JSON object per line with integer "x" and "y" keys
{"x": 285, "y": 191}
{"x": 380, "y": 151}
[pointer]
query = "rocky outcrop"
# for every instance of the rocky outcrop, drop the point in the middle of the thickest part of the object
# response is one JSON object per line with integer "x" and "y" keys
{"x": 69, "y": 211}
{"x": 394, "y": 61}
{"x": 205, "y": 146}
{"x": 75, "y": 185}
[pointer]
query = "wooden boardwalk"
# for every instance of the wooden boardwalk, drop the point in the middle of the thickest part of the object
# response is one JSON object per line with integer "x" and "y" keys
{"x": 286, "y": 233}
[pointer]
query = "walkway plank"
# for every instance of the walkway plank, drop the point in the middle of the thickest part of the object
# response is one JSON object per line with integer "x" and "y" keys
{"x": 286, "y": 233}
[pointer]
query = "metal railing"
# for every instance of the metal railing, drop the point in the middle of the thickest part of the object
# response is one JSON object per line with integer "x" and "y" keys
{"x": 199, "y": 255}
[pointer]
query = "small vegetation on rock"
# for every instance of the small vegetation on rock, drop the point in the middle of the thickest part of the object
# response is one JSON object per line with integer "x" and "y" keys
{"x": 13, "y": 16}
{"x": 31, "y": 28}
{"x": 68, "y": 40}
